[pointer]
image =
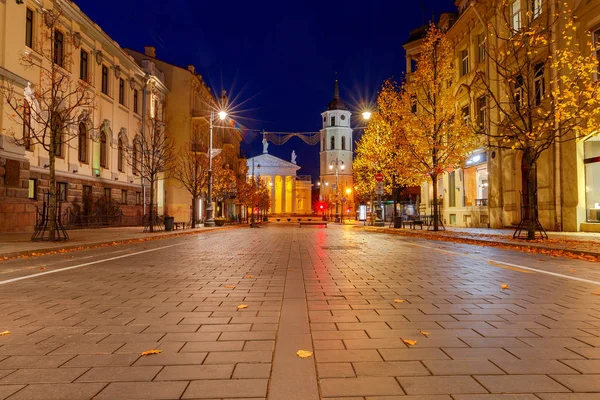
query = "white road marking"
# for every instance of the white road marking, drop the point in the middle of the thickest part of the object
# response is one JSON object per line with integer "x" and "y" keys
{"x": 83, "y": 265}
{"x": 541, "y": 271}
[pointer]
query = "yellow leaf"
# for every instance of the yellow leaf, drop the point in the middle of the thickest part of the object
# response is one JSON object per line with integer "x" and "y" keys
{"x": 504, "y": 286}
{"x": 595, "y": 294}
{"x": 149, "y": 352}
{"x": 371, "y": 278}
{"x": 304, "y": 353}
{"x": 249, "y": 276}
{"x": 399, "y": 301}
{"x": 409, "y": 342}
{"x": 4, "y": 333}
{"x": 426, "y": 334}
{"x": 241, "y": 306}
{"x": 229, "y": 286}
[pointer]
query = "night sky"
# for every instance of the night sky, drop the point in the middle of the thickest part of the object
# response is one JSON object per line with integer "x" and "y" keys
{"x": 276, "y": 59}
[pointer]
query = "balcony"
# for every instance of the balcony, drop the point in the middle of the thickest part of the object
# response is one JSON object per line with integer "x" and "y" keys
{"x": 481, "y": 202}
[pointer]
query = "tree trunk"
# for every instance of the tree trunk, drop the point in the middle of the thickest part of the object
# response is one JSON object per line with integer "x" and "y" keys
{"x": 151, "y": 210}
{"x": 194, "y": 200}
{"x": 52, "y": 201}
{"x": 531, "y": 199}
{"x": 436, "y": 215}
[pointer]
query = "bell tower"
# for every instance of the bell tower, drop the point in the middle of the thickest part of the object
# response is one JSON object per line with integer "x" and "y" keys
{"x": 336, "y": 149}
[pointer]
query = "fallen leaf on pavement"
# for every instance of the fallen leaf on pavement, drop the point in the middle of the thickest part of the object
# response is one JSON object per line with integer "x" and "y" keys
{"x": 149, "y": 352}
{"x": 596, "y": 294}
{"x": 504, "y": 286}
{"x": 4, "y": 333}
{"x": 304, "y": 353}
{"x": 229, "y": 286}
{"x": 572, "y": 270}
{"x": 399, "y": 301}
{"x": 249, "y": 276}
{"x": 426, "y": 334}
{"x": 371, "y": 278}
{"x": 241, "y": 306}
{"x": 409, "y": 342}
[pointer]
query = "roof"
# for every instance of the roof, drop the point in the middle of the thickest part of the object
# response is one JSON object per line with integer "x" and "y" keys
{"x": 336, "y": 103}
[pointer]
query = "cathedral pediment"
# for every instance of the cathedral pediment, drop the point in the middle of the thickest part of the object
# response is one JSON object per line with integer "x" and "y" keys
{"x": 269, "y": 164}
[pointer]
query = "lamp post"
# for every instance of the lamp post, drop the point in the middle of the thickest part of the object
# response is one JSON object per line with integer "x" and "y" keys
{"x": 210, "y": 221}
{"x": 338, "y": 165}
{"x": 252, "y": 225}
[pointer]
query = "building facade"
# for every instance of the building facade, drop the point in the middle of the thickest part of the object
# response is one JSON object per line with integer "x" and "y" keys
{"x": 93, "y": 162}
{"x": 486, "y": 191}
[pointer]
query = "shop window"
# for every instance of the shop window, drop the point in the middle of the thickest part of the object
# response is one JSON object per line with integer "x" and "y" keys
{"x": 61, "y": 191}
{"x": 32, "y": 189}
{"x": 591, "y": 150}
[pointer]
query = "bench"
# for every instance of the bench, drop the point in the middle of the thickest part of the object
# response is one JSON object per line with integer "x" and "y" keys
{"x": 300, "y": 223}
{"x": 178, "y": 225}
{"x": 413, "y": 223}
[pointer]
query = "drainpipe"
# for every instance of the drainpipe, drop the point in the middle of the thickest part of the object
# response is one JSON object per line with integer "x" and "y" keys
{"x": 557, "y": 146}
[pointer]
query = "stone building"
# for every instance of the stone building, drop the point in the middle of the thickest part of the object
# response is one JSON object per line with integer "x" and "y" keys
{"x": 94, "y": 162}
{"x": 487, "y": 190}
{"x": 188, "y": 109}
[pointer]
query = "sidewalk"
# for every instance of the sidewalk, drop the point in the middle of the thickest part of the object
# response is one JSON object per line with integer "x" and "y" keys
{"x": 585, "y": 244}
{"x": 16, "y": 244}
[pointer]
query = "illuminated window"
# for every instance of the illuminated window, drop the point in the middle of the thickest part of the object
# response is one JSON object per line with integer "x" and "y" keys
{"x": 539, "y": 84}
{"x": 515, "y": 10}
{"x": 536, "y": 7}
{"x": 481, "y": 48}
{"x": 464, "y": 56}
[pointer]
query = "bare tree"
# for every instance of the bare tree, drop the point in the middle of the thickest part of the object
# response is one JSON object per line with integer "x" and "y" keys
{"x": 150, "y": 157}
{"x": 541, "y": 84}
{"x": 52, "y": 111}
{"x": 191, "y": 170}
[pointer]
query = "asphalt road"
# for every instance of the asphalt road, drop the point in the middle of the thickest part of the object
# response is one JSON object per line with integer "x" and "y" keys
{"x": 79, "y": 321}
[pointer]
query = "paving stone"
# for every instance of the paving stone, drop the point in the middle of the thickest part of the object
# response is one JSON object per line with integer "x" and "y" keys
{"x": 206, "y": 389}
{"x": 440, "y": 385}
{"x": 527, "y": 367}
{"x": 335, "y": 370}
{"x": 49, "y": 361}
{"x": 172, "y": 359}
{"x": 251, "y": 371}
{"x": 7, "y": 390}
{"x": 212, "y": 346}
{"x": 337, "y": 387}
{"x": 413, "y": 354}
{"x": 102, "y": 360}
{"x": 117, "y": 374}
{"x": 266, "y": 345}
{"x": 346, "y": 355}
{"x": 228, "y": 357}
{"x": 462, "y": 367}
{"x": 402, "y": 368}
{"x": 44, "y": 375}
{"x": 520, "y": 384}
{"x": 568, "y": 396}
{"x": 58, "y": 391}
{"x": 143, "y": 390}
{"x": 194, "y": 372}
{"x": 579, "y": 383}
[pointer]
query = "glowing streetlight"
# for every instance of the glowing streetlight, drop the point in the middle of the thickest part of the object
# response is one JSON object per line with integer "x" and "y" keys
{"x": 210, "y": 221}
{"x": 366, "y": 115}
{"x": 222, "y": 115}
{"x": 348, "y": 191}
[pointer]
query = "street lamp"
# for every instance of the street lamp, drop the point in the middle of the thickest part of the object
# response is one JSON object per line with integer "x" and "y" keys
{"x": 338, "y": 165}
{"x": 366, "y": 115}
{"x": 252, "y": 224}
{"x": 210, "y": 221}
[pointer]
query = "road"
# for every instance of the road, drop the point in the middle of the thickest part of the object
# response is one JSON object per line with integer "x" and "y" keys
{"x": 80, "y": 321}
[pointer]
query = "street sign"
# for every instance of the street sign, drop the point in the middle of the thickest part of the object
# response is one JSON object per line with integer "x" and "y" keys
{"x": 379, "y": 177}
{"x": 379, "y": 188}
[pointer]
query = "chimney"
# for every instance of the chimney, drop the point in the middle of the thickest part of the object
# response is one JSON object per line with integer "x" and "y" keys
{"x": 150, "y": 51}
{"x": 192, "y": 69}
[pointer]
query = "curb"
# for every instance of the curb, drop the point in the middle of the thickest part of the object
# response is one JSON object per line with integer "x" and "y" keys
{"x": 529, "y": 248}
{"x": 95, "y": 245}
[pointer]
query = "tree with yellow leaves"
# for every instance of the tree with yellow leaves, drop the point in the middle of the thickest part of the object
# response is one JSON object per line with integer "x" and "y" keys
{"x": 432, "y": 132}
{"x": 541, "y": 83}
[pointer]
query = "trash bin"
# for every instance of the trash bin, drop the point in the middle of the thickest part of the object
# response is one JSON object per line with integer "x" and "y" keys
{"x": 397, "y": 222}
{"x": 169, "y": 222}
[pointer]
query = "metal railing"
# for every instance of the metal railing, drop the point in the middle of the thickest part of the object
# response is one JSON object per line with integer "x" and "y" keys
{"x": 481, "y": 202}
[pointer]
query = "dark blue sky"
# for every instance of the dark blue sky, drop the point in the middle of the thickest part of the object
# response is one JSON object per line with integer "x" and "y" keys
{"x": 276, "y": 59}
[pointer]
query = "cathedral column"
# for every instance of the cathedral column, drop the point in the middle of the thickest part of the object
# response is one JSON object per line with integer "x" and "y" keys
{"x": 293, "y": 194}
{"x": 273, "y": 209}
{"x": 283, "y": 183}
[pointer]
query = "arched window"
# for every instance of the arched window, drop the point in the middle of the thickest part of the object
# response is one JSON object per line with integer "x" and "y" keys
{"x": 343, "y": 142}
{"x": 121, "y": 155}
{"x": 332, "y": 143}
{"x": 26, "y": 125}
{"x": 57, "y": 129}
{"x": 103, "y": 149}
{"x": 82, "y": 142}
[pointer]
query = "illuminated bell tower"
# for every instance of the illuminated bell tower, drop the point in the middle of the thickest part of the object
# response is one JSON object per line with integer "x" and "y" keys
{"x": 336, "y": 148}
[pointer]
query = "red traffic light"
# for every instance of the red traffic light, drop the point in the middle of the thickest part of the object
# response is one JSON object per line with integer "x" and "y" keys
{"x": 321, "y": 206}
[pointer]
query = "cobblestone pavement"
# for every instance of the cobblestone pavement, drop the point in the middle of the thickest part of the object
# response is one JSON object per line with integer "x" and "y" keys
{"x": 354, "y": 297}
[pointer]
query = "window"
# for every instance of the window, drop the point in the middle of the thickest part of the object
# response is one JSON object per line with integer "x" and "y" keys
{"x": 123, "y": 196}
{"x": 104, "y": 79}
{"x": 515, "y": 10}
{"x": 466, "y": 114}
{"x": 83, "y": 66}
{"x": 82, "y": 142}
{"x": 343, "y": 143}
{"x": 481, "y": 48}
{"x": 32, "y": 189}
{"x": 452, "y": 189}
{"x": 591, "y": 161}
{"x": 86, "y": 192}
{"x": 332, "y": 143}
{"x": 519, "y": 92}
{"x": 482, "y": 112}
{"x": 61, "y": 191}
{"x": 103, "y": 149}
{"x": 59, "y": 49}
{"x": 536, "y": 7}
{"x": 121, "y": 155}
{"x": 138, "y": 198}
{"x": 107, "y": 193}
{"x": 539, "y": 84}
{"x": 26, "y": 125}
{"x": 332, "y": 121}
{"x": 137, "y": 151}
{"x": 29, "y": 28}
{"x": 121, "y": 91}
{"x": 464, "y": 57}
{"x": 57, "y": 129}
{"x": 135, "y": 101}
